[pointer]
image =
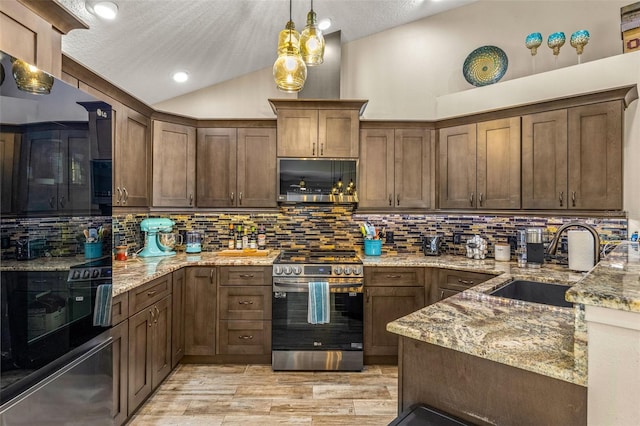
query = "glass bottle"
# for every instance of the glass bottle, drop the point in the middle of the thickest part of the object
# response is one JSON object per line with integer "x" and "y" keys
{"x": 232, "y": 238}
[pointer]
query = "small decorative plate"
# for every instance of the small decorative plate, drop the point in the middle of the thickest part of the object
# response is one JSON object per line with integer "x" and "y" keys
{"x": 485, "y": 65}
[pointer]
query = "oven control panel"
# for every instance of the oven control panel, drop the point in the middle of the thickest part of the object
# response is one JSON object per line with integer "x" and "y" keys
{"x": 86, "y": 274}
{"x": 314, "y": 270}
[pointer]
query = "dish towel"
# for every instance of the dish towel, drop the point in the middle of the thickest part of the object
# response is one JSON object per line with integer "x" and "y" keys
{"x": 319, "y": 303}
{"x": 102, "y": 307}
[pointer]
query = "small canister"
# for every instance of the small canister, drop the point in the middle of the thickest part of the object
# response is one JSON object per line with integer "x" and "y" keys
{"x": 503, "y": 252}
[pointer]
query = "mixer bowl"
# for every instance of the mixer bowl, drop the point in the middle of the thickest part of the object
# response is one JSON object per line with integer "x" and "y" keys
{"x": 167, "y": 241}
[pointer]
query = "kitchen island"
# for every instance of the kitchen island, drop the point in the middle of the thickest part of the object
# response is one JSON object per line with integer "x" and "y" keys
{"x": 491, "y": 360}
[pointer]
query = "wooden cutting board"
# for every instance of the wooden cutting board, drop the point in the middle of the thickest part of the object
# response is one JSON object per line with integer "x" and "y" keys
{"x": 245, "y": 252}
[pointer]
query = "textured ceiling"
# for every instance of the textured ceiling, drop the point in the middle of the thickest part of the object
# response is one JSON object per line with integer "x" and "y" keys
{"x": 214, "y": 40}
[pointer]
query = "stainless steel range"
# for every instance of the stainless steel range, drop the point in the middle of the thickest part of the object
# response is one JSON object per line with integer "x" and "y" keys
{"x": 301, "y": 344}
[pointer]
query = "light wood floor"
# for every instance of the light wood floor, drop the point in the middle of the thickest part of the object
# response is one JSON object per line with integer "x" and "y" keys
{"x": 255, "y": 395}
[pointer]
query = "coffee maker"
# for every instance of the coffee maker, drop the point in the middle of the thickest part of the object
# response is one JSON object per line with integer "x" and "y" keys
{"x": 153, "y": 246}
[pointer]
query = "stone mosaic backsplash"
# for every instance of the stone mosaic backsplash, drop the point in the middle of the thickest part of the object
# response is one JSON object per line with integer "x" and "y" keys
{"x": 329, "y": 227}
{"x": 63, "y": 235}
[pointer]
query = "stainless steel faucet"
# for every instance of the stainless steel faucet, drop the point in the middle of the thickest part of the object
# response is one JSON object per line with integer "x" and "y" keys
{"x": 553, "y": 246}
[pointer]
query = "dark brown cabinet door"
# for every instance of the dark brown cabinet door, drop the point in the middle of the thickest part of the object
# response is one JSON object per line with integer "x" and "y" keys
{"x": 376, "y": 170}
{"x": 177, "y": 314}
{"x": 140, "y": 357}
{"x": 452, "y": 282}
{"x": 161, "y": 338}
{"x": 256, "y": 168}
{"x": 8, "y": 157}
{"x": 298, "y": 133}
{"x": 200, "y": 311}
{"x": 216, "y": 167}
{"x": 383, "y": 305}
{"x": 120, "y": 334}
{"x": 338, "y": 133}
{"x": 498, "y": 164}
{"x": 413, "y": 168}
{"x": 544, "y": 160}
{"x": 174, "y": 165}
{"x": 458, "y": 167}
{"x": 595, "y": 156}
{"x": 132, "y": 157}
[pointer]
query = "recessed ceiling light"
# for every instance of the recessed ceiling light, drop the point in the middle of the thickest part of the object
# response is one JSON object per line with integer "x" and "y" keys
{"x": 324, "y": 24}
{"x": 181, "y": 76}
{"x": 105, "y": 9}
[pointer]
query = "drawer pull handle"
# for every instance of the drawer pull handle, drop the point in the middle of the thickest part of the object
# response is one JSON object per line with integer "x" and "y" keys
{"x": 441, "y": 294}
{"x": 246, "y": 275}
{"x": 573, "y": 198}
{"x": 561, "y": 198}
{"x": 469, "y": 282}
{"x": 393, "y": 276}
{"x": 151, "y": 293}
{"x": 157, "y": 314}
{"x": 245, "y": 337}
{"x": 245, "y": 302}
{"x": 152, "y": 319}
{"x": 211, "y": 276}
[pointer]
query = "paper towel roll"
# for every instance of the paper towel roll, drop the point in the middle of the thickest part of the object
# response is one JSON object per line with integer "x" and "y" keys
{"x": 581, "y": 256}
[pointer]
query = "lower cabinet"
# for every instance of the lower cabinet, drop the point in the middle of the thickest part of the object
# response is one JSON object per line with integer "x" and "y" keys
{"x": 390, "y": 293}
{"x": 149, "y": 350}
{"x": 200, "y": 311}
{"x": 244, "y": 311}
{"x": 177, "y": 310}
{"x": 452, "y": 282}
{"x": 120, "y": 335}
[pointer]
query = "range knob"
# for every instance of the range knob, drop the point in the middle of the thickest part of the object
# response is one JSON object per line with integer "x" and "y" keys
{"x": 277, "y": 270}
{"x": 357, "y": 270}
{"x": 297, "y": 270}
{"x": 337, "y": 270}
{"x": 287, "y": 270}
{"x": 86, "y": 273}
{"x": 76, "y": 274}
{"x": 347, "y": 270}
{"x": 95, "y": 273}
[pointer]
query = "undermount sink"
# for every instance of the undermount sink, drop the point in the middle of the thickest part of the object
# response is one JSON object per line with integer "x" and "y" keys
{"x": 534, "y": 291}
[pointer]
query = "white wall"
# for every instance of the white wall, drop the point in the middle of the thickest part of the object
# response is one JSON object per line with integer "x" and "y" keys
{"x": 415, "y": 71}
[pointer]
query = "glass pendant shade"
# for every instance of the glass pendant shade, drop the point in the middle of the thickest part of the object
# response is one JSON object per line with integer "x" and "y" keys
{"x": 286, "y": 36}
{"x": 312, "y": 41}
{"x": 289, "y": 70}
{"x": 31, "y": 79}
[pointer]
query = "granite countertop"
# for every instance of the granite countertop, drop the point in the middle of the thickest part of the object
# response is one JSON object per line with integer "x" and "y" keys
{"x": 614, "y": 283}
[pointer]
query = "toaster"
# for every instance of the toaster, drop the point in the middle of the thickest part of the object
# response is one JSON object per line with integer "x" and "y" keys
{"x": 432, "y": 246}
{"x": 29, "y": 249}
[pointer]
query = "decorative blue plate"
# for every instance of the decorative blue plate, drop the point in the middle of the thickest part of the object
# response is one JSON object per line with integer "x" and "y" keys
{"x": 485, "y": 65}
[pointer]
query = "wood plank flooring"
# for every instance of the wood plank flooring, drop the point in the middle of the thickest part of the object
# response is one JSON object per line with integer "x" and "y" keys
{"x": 212, "y": 395}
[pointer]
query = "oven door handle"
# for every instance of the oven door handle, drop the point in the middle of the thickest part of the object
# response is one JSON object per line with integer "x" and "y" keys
{"x": 305, "y": 286}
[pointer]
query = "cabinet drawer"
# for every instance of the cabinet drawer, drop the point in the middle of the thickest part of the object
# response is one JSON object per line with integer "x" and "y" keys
{"x": 149, "y": 293}
{"x": 460, "y": 280}
{"x": 245, "y": 275}
{"x": 120, "y": 308}
{"x": 244, "y": 337}
{"x": 390, "y": 277}
{"x": 245, "y": 303}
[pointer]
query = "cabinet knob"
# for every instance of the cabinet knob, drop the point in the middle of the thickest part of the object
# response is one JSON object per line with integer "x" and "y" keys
{"x": 561, "y": 198}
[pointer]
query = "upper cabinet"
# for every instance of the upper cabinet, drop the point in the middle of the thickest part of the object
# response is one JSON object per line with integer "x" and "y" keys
{"x": 396, "y": 168}
{"x": 572, "y": 158}
{"x": 132, "y": 158}
{"x": 174, "y": 164}
{"x": 236, "y": 167}
{"x": 314, "y": 128}
{"x": 32, "y": 30}
{"x": 480, "y": 165}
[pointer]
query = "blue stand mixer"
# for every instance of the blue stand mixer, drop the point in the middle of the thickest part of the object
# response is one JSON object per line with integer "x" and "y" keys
{"x": 154, "y": 229}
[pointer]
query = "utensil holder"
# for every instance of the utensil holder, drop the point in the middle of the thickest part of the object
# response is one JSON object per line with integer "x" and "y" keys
{"x": 92, "y": 250}
{"x": 373, "y": 247}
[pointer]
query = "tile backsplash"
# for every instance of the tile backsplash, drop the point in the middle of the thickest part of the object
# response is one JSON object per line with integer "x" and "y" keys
{"x": 329, "y": 227}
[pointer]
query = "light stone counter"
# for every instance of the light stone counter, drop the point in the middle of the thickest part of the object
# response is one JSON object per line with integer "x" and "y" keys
{"x": 135, "y": 272}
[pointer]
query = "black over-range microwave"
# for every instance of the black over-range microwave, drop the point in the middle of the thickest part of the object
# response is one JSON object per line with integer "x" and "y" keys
{"x": 317, "y": 180}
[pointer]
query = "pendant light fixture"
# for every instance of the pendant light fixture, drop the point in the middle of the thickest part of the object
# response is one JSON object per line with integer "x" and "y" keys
{"x": 30, "y": 79}
{"x": 289, "y": 70}
{"x": 312, "y": 41}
